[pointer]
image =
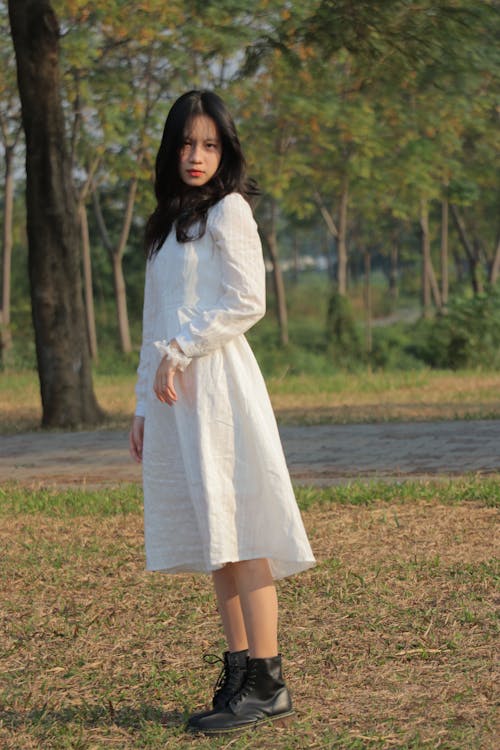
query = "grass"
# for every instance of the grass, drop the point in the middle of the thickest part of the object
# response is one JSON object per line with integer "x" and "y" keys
{"x": 297, "y": 399}
{"x": 388, "y": 642}
{"x": 52, "y": 502}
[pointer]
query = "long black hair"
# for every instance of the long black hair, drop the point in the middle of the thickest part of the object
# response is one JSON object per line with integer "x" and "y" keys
{"x": 177, "y": 203}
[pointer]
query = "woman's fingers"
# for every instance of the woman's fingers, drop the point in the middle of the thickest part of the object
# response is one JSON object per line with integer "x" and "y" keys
{"x": 135, "y": 449}
{"x": 136, "y": 438}
{"x": 164, "y": 383}
{"x": 170, "y": 385}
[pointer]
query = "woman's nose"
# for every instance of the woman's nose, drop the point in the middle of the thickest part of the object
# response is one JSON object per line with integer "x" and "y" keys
{"x": 195, "y": 153}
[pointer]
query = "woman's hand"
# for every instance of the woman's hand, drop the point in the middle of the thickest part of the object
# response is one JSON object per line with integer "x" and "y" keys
{"x": 136, "y": 438}
{"x": 164, "y": 382}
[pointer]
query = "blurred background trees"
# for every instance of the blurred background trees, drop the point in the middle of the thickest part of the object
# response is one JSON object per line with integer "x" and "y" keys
{"x": 371, "y": 127}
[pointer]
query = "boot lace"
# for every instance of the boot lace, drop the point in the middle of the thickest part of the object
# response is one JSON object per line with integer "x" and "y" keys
{"x": 228, "y": 680}
{"x": 247, "y": 687}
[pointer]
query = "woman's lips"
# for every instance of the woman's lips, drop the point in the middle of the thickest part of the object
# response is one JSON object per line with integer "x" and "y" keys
{"x": 194, "y": 172}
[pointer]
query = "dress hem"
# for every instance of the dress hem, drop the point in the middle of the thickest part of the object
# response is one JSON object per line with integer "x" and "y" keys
{"x": 279, "y": 568}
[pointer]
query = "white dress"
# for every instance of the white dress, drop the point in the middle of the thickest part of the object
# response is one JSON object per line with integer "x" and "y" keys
{"x": 216, "y": 485}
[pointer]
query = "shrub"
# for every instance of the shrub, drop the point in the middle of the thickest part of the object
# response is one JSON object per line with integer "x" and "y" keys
{"x": 468, "y": 335}
{"x": 392, "y": 348}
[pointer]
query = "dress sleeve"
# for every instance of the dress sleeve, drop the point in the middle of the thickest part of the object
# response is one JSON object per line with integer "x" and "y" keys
{"x": 243, "y": 297}
{"x": 146, "y": 348}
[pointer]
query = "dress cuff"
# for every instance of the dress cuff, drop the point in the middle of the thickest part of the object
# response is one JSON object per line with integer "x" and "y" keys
{"x": 178, "y": 359}
{"x": 140, "y": 409}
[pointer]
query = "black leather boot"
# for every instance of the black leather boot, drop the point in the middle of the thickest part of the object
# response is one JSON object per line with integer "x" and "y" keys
{"x": 262, "y": 698}
{"x": 229, "y": 683}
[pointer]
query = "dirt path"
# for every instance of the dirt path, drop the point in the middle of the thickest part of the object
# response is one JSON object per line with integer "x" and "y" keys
{"x": 323, "y": 454}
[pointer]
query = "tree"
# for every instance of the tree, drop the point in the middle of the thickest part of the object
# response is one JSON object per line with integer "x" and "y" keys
{"x": 52, "y": 222}
{"x": 10, "y": 131}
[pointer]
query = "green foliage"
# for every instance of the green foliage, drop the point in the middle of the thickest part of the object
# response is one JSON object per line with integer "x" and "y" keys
{"x": 399, "y": 99}
{"x": 391, "y": 349}
{"x": 343, "y": 338}
{"x": 468, "y": 335}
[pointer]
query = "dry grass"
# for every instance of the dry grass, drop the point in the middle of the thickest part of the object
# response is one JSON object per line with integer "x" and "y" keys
{"x": 389, "y": 641}
{"x": 369, "y": 397}
{"x": 20, "y": 404}
{"x": 379, "y": 397}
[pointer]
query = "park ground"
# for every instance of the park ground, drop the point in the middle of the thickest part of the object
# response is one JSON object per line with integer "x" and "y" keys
{"x": 389, "y": 642}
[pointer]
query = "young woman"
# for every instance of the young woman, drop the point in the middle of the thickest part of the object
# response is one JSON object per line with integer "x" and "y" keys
{"x": 217, "y": 494}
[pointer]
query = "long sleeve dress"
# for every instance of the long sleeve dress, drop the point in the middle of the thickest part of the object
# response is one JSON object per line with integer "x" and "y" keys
{"x": 216, "y": 485}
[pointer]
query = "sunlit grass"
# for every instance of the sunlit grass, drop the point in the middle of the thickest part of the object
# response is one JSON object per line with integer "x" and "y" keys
{"x": 301, "y": 399}
{"x": 127, "y": 498}
{"x": 388, "y": 642}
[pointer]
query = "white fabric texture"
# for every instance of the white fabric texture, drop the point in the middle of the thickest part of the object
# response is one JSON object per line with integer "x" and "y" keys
{"x": 216, "y": 484}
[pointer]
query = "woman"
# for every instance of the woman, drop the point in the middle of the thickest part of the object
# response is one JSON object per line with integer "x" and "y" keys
{"x": 217, "y": 494}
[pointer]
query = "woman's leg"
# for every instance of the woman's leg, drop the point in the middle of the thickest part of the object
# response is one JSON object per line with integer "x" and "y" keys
{"x": 229, "y": 607}
{"x": 259, "y": 606}
{"x": 248, "y": 607}
{"x": 263, "y": 695}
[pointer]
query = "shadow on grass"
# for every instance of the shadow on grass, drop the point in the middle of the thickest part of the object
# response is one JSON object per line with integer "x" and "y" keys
{"x": 88, "y": 715}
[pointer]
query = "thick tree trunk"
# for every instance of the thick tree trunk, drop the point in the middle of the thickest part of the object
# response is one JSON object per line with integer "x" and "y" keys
{"x": 279, "y": 285}
{"x": 87, "y": 281}
{"x": 426, "y": 259}
{"x": 342, "y": 243}
{"x": 5, "y": 333}
{"x": 52, "y": 221}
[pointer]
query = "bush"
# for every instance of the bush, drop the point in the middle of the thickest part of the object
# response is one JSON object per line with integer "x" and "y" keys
{"x": 392, "y": 349}
{"x": 467, "y": 336}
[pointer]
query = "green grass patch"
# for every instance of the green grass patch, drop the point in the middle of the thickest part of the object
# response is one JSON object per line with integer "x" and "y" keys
{"x": 114, "y": 501}
{"x": 64, "y": 503}
{"x": 476, "y": 488}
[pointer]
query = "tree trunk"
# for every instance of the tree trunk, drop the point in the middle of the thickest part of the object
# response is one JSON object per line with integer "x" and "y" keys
{"x": 340, "y": 233}
{"x": 279, "y": 286}
{"x": 444, "y": 251}
{"x": 368, "y": 300}
{"x": 88, "y": 287}
{"x": 342, "y": 243}
{"x": 331, "y": 235}
{"x": 434, "y": 285}
{"x": 52, "y": 222}
{"x": 5, "y": 333}
{"x": 296, "y": 258}
{"x": 393, "y": 269}
{"x": 470, "y": 251}
{"x": 426, "y": 259}
{"x": 116, "y": 256}
{"x": 495, "y": 268}
{"x": 121, "y": 304}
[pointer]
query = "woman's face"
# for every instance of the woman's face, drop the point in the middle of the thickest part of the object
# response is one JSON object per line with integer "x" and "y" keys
{"x": 201, "y": 152}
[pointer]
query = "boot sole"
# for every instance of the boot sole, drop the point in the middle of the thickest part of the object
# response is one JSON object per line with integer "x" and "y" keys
{"x": 280, "y": 720}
